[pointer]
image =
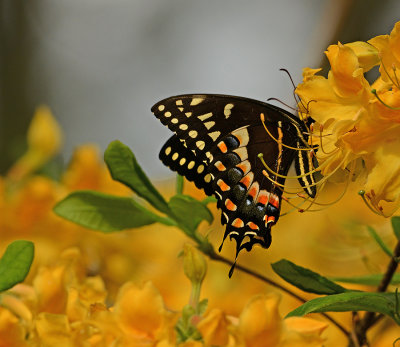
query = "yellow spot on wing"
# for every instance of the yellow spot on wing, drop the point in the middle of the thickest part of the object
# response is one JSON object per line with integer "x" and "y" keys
{"x": 214, "y": 135}
{"x": 227, "y": 110}
{"x": 196, "y": 101}
{"x": 200, "y": 145}
{"x": 205, "y": 116}
{"x": 193, "y": 134}
{"x": 209, "y": 125}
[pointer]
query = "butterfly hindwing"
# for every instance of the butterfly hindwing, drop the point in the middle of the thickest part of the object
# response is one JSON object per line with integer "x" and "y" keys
{"x": 179, "y": 158}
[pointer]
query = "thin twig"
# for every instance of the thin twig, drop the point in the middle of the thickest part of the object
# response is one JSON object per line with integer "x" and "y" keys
{"x": 217, "y": 257}
{"x": 371, "y": 318}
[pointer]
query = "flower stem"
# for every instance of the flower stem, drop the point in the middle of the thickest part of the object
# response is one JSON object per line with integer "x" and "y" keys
{"x": 371, "y": 318}
{"x": 195, "y": 295}
{"x": 217, "y": 257}
{"x": 179, "y": 184}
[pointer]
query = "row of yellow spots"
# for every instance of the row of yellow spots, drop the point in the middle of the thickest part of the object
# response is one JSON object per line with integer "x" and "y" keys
{"x": 200, "y": 169}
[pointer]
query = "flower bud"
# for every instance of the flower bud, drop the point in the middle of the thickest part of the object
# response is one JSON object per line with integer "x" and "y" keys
{"x": 44, "y": 133}
{"x": 194, "y": 264}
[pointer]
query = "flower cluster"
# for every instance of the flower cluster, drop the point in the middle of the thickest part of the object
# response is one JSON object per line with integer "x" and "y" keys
{"x": 64, "y": 307}
{"x": 357, "y": 124}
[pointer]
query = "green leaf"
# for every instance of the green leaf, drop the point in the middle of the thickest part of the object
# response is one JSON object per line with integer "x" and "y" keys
{"x": 369, "y": 280}
{"x": 396, "y": 226}
{"x": 384, "y": 303}
{"x": 380, "y": 242}
{"x": 305, "y": 279}
{"x": 103, "y": 212}
{"x": 125, "y": 169}
{"x": 189, "y": 212}
{"x": 15, "y": 263}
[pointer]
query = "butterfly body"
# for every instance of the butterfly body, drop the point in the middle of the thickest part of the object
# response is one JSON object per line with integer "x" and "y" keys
{"x": 217, "y": 144}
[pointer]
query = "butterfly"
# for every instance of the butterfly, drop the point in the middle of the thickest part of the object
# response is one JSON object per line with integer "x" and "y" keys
{"x": 219, "y": 142}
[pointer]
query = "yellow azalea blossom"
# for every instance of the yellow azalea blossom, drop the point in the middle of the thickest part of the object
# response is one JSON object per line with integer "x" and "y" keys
{"x": 52, "y": 282}
{"x": 11, "y": 332}
{"x": 300, "y": 331}
{"x": 389, "y": 50}
{"x": 87, "y": 171}
{"x": 44, "y": 141}
{"x": 214, "y": 328}
{"x": 141, "y": 313}
{"x": 261, "y": 325}
{"x": 191, "y": 343}
{"x": 53, "y": 330}
{"x": 352, "y": 124}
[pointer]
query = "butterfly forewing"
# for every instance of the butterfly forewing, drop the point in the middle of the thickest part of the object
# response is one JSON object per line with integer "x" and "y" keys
{"x": 225, "y": 135}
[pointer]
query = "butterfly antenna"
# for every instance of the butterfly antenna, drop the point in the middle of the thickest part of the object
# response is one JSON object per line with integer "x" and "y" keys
{"x": 290, "y": 76}
{"x": 297, "y": 99}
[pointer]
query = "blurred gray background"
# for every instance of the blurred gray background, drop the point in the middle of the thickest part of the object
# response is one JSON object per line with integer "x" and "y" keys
{"x": 101, "y": 65}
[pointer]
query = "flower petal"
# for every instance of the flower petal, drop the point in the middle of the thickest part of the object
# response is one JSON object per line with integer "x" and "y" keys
{"x": 214, "y": 328}
{"x": 260, "y": 324}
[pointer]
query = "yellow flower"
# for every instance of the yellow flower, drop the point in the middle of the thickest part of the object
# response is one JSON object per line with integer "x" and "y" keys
{"x": 141, "y": 313}
{"x": 53, "y": 330}
{"x": 351, "y": 123}
{"x": 303, "y": 332}
{"x": 389, "y": 50}
{"x": 87, "y": 171}
{"x": 44, "y": 140}
{"x": 260, "y": 324}
{"x": 214, "y": 328}
{"x": 12, "y": 333}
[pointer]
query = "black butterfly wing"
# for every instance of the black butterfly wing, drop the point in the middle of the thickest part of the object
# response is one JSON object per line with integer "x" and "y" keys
{"x": 217, "y": 143}
{"x": 179, "y": 158}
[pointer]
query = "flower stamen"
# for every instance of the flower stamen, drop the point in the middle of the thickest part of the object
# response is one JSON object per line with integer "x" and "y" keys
{"x": 363, "y": 194}
{"x": 397, "y": 84}
{"x": 390, "y": 77}
{"x": 262, "y": 117}
{"x": 373, "y": 91}
{"x": 261, "y": 156}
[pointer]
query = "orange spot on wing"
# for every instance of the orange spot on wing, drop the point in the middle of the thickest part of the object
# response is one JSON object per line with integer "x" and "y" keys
{"x": 230, "y": 205}
{"x": 246, "y": 180}
{"x": 274, "y": 200}
{"x": 263, "y": 197}
{"x": 253, "y": 191}
{"x": 238, "y": 223}
{"x": 271, "y": 219}
{"x": 222, "y": 147}
{"x": 222, "y": 185}
{"x": 244, "y": 166}
{"x": 220, "y": 166}
{"x": 252, "y": 225}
